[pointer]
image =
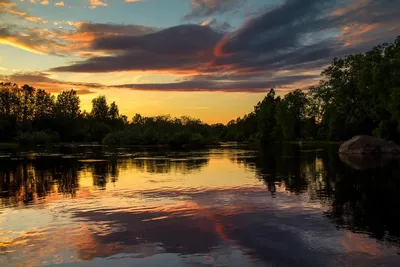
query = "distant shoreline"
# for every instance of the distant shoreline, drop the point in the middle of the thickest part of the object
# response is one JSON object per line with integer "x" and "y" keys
{"x": 221, "y": 144}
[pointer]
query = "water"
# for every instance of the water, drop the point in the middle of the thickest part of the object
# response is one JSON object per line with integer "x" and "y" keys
{"x": 282, "y": 206}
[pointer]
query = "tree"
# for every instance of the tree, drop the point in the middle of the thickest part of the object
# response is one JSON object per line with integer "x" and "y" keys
{"x": 137, "y": 119}
{"x": 28, "y": 102}
{"x": 44, "y": 104}
{"x": 266, "y": 119}
{"x": 355, "y": 93}
{"x": 113, "y": 112}
{"x": 291, "y": 114}
{"x": 394, "y": 105}
{"x": 9, "y": 99}
{"x": 100, "y": 108}
{"x": 68, "y": 104}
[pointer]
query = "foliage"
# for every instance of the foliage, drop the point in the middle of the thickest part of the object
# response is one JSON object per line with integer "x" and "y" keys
{"x": 165, "y": 130}
{"x": 359, "y": 94}
{"x": 34, "y": 138}
{"x": 33, "y": 116}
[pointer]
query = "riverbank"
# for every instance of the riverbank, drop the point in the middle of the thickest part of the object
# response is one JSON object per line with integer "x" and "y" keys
{"x": 162, "y": 146}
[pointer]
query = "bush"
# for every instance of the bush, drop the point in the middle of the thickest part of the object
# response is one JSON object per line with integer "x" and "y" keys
{"x": 37, "y": 138}
{"x": 153, "y": 137}
{"x": 98, "y": 130}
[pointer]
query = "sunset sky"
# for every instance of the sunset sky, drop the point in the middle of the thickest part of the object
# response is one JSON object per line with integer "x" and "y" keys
{"x": 211, "y": 59}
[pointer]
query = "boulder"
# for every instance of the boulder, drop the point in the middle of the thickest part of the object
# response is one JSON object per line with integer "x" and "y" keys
{"x": 364, "y": 144}
{"x": 366, "y": 162}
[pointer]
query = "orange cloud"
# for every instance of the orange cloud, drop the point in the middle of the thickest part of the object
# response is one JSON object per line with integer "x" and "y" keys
{"x": 35, "y": 40}
{"x": 35, "y": 19}
{"x": 7, "y": 7}
{"x": 97, "y": 3}
{"x": 355, "y": 33}
{"x": 206, "y": 22}
{"x": 11, "y": 8}
{"x": 351, "y": 7}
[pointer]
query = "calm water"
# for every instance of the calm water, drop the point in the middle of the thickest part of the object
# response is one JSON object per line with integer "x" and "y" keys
{"x": 283, "y": 206}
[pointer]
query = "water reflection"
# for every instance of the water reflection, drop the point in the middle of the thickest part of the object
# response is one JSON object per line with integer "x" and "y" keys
{"x": 24, "y": 182}
{"x": 228, "y": 207}
{"x": 363, "y": 199}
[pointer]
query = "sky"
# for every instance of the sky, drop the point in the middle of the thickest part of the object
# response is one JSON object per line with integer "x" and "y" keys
{"x": 209, "y": 59}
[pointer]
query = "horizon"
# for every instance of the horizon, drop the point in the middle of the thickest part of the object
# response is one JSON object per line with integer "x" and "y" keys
{"x": 208, "y": 59}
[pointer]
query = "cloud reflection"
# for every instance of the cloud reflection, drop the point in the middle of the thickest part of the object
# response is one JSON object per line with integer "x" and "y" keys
{"x": 199, "y": 208}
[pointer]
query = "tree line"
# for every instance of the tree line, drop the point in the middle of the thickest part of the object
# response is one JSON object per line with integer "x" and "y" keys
{"x": 358, "y": 94}
{"x": 34, "y": 116}
{"x": 29, "y": 115}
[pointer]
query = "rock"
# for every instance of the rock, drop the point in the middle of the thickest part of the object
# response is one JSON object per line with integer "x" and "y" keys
{"x": 365, "y": 162}
{"x": 364, "y": 144}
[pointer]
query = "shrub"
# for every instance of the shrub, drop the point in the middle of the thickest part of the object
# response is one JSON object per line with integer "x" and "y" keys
{"x": 37, "y": 138}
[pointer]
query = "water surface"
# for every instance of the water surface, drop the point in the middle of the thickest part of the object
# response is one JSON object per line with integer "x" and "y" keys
{"x": 281, "y": 206}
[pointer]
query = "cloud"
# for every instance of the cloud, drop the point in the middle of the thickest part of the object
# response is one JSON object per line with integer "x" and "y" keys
{"x": 222, "y": 27}
{"x": 194, "y": 83}
{"x": 210, "y": 83}
{"x": 297, "y": 34}
{"x": 44, "y": 81}
{"x": 300, "y": 25}
{"x": 9, "y": 8}
{"x": 113, "y": 29}
{"x": 35, "y": 19}
{"x": 63, "y": 42}
{"x": 34, "y": 40}
{"x": 296, "y": 37}
{"x": 207, "y": 8}
{"x": 307, "y": 34}
{"x": 182, "y": 48}
{"x": 97, "y": 3}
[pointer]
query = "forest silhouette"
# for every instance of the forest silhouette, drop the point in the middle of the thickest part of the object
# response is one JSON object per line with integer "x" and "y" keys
{"x": 358, "y": 94}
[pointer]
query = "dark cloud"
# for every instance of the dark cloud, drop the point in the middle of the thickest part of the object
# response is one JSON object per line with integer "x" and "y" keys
{"x": 206, "y": 8}
{"x": 183, "y": 48}
{"x": 277, "y": 29}
{"x": 304, "y": 31}
{"x": 27, "y": 77}
{"x": 240, "y": 82}
{"x": 115, "y": 28}
{"x": 84, "y": 92}
{"x": 180, "y": 40}
{"x": 206, "y": 83}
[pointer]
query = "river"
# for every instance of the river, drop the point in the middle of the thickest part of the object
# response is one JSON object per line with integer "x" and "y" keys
{"x": 280, "y": 206}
